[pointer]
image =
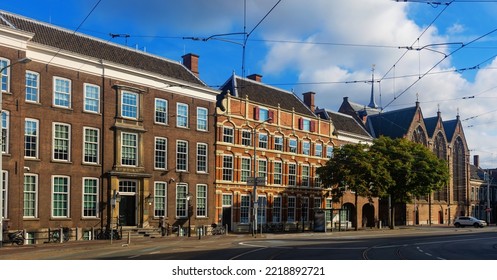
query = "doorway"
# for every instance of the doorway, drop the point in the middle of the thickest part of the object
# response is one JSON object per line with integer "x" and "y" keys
{"x": 127, "y": 210}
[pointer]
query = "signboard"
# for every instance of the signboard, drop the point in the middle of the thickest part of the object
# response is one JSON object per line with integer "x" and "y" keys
{"x": 259, "y": 181}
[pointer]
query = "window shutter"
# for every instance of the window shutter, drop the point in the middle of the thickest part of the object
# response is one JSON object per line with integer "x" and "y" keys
{"x": 301, "y": 123}
{"x": 256, "y": 113}
{"x": 313, "y": 126}
{"x": 271, "y": 116}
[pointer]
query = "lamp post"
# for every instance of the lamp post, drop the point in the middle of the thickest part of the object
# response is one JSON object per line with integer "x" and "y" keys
{"x": 254, "y": 174}
{"x": 189, "y": 196}
{"x": 23, "y": 60}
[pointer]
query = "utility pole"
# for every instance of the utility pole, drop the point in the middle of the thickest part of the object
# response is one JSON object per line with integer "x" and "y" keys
{"x": 487, "y": 175}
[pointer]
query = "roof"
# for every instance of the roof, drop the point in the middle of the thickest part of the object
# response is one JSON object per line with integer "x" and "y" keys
{"x": 450, "y": 128}
{"x": 267, "y": 95}
{"x": 431, "y": 125}
{"x": 56, "y": 37}
{"x": 394, "y": 124}
{"x": 346, "y": 123}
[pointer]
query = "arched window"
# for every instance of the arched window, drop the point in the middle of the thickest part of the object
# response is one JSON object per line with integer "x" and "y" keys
{"x": 459, "y": 171}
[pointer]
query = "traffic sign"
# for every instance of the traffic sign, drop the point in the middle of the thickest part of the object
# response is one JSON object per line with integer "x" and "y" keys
{"x": 259, "y": 181}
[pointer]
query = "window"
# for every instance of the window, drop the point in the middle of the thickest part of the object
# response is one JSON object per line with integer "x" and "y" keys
{"x": 317, "y": 203}
{"x": 305, "y": 175}
{"x": 201, "y": 157}
{"x": 292, "y": 146}
{"x": 160, "y": 153}
{"x": 5, "y": 74}
{"x": 181, "y": 155}
{"x": 160, "y": 199}
{"x": 228, "y": 134}
{"x": 227, "y": 168}
{"x": 329, "y": 151}
{"x": 263, "y": 114}
{"x": 160, "y": 111}
{"x": 306, "y": 125}
{"x": 30, "y": 196}
{"x": 304, "y": 205}
{"x": 261, "y": 210}
{"x": 181, "y": 201}
{"x": 291, "y": 209}
{"x": 263, "y": 140}
{"x": 277, "y": 173}
{"x": 61, "y": 141}
{"x": 278, "y": 143}
{"x": 318, "y": 150}
{"x": 306, "y": 147}
{"x": 62, "y": 92}
{"x": 245, "y": 169}
{"x": 201, "y": 200}
{"x": 129, "y": 105}
{"x": 292, "y": 174}
{"x": 32, "y": 87}
{"x": 202, "y": 121}
{"x": 31, "y": 138}
{"x": 91, "y": 145}
{"x": 328, "y": 205}
{"x": 129, "y": 149}
{"x": 90, "y": 197}
{"x": 246, "y": 137}
{"x": 182, "y": 115}
{"x": 5, "y": 184}
{"x": 60, "y": 196}
{"x": 244, "y": 209}
{"x": 92, "y": 98}
{"x": 262, "y": 168}
{"x": 317, "y": 180}
{"x": 277, "y": 209}
{"x": 5, "y": 131}
{"x": 128, "y": 186}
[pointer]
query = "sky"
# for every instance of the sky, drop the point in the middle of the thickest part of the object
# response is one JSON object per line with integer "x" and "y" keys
{"x": 442, "y": 54}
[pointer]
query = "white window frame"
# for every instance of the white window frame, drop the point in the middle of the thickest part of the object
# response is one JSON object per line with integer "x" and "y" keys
{"x": 245, "y": 209}
{"x": 36, "y": 136}
{"x": 202, "y": 157}
{"x": 228, "y": 134}
{"x": 277, "y": 172}
{"x": 304, "y": 211}
{"x": 57, "y": 94}
{"x": 263, "y": 140}
{"x": 67, "y": 197}
{"x": 130, "y": 148}
{"x": 306, "y": 148}
{"x": 277, "y": 206}
{"x": 292, "y": 145}
{"x": 32, "y": 87}
{"x": 128, "y": 110}
{"x": 33, "y": 197}
{"x": 181, "y": 201}
{"x": 160, "y": 199}
{"x": 181, "y": 115}
{"x": 4, "y": 62}
{"x": 202, "y": 119}
{"x": 93, "y": 195}
{"x": 278, "y": 143}
{"x": 95, "y": 145}
{"x": 262, "y": 168}
{"x": 6, "y": 128}
{"x": 292, "y": 176}
{"x": 262, "y": 209}
{"x": 246, "y": 137}
{"x": 181, "y": 155}
{"x": 329, "y": 151}
{"x": 5, "y": 194}
{"x": 227, "y": 168}
{"x": 160, "y": 112}
{"x": 88, "y": 99}
{"x": 54, "y": 125}
{"x": 304, "y": 179}
{"x": 160, "y": 155}
{"x": 245, "y": 169}
{"x": 318, "y": 149}
{"x": 201, "y": 200}
{"x": 291, "y": 208}
{"x": 306, "y": 125}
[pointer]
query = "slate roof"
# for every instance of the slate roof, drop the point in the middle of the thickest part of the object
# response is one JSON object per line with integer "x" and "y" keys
{"x": 346, "y": 123}
{"x": 431, "y": 125}
{"x": 394, "y": 124}
{"x": 59, "y": 38}
{"x": 264, "y": 94}
{"x": 450, "y": 128}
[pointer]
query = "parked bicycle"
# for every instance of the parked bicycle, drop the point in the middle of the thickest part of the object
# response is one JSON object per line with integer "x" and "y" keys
{"x": 54, "y": 235}
{"x": 217, "y": 230}
{"x": 107, "y": 234}
{"x": 15, "y": 237}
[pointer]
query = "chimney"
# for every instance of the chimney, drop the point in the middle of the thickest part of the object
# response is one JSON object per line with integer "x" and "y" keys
{"x": 255, "y": 77}
{"x": 309, "y": 100}
{"x": 190, "y": 61}
{"x": 476, "y": 161}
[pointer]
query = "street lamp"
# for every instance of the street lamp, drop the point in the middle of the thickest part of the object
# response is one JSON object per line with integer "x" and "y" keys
{"x": 254, "y": 195}
{"x": 189, "y": 196}
{"x": 23, "y": 60}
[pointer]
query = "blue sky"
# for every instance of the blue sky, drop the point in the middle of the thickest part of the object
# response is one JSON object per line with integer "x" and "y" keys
{"x": 437, "y": 54}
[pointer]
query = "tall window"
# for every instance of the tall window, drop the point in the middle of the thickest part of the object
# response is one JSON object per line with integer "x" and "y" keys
{"x": 92, "y": 98}
{"x": 160, "y": 111}
{"x": 245, "y": 173}
{"x": 306, "y": 148}
{"x": 263, "y": 140}
{"x": 262, "y": 168}
{"x": 5, "y": 184}
{"x": 228, "y": 134}
{"x": 261, "y": 210}
{"x": 244, "y": 209}
{"x": 5, "y": 131}
{"x": 5, "y": 74}
{"x": 305, "y": 175}
{"x": 182, "y": 115}
{"x": 306, "y": 125}
{"x": 90, "y": 197}
{"x": 202, "y": 122}
{"x": 277, "y": 173}
{"x": 61, "y": 141}
{"x": 318, "y": 150}
{"x": 263, "y": 114}
{"x": 227, "y": 168}
{"x": 329, "y": 151}
{"x": 317, "y": 203}
{"x": 32, "y": 87}
{"x": 292, "y": 174}
{"x": 292, "y": 146}
{"x": 160, "y": 153}
{"x": 328, "y": 205}
{"x": 129, "y": 149}
{"x": 31, "y": 138}
{"x": 160, "y": 199}
{"x": 181, "y": 201}
{"x": 291, "y": 208}
{"x": 30, "y": 196}
{"x": 246, "y": 137}
{"x": 201, "y": 201}
{"x": 91, "y": 145}
{"x": 201, "y": 157}
{"x": 60, "y": 196}
{"x": 278, "y": 143}
{"x": 317, "y": 180}
{"x": 129, "y": 105}
{"x": 61, "y": 92}
{"x": 304, "y": 205}
{"x": 181, "y": 155}
{"x": 277, "y": 209}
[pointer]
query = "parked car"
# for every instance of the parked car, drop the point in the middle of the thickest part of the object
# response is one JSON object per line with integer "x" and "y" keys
{"x": 469, "y": 221}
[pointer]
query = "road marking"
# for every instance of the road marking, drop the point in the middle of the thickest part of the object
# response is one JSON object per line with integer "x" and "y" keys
{"x": 249, "y": 252}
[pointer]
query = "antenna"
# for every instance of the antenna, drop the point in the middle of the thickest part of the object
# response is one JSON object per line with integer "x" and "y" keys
{"x": 126, "y": 36}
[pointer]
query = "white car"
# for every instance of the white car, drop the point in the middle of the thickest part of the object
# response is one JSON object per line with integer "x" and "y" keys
{"x": 469, "y": 221}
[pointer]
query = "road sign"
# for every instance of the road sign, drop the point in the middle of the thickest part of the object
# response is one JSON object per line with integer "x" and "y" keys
{"x": 259, "y": 181}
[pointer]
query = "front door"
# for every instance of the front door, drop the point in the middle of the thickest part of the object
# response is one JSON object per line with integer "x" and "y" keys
{"x": 226, "y": 215}
{"x": 127, "y": 210}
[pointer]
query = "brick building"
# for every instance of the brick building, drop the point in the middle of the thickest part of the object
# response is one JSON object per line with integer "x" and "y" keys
{"x": 94, "y": 132}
